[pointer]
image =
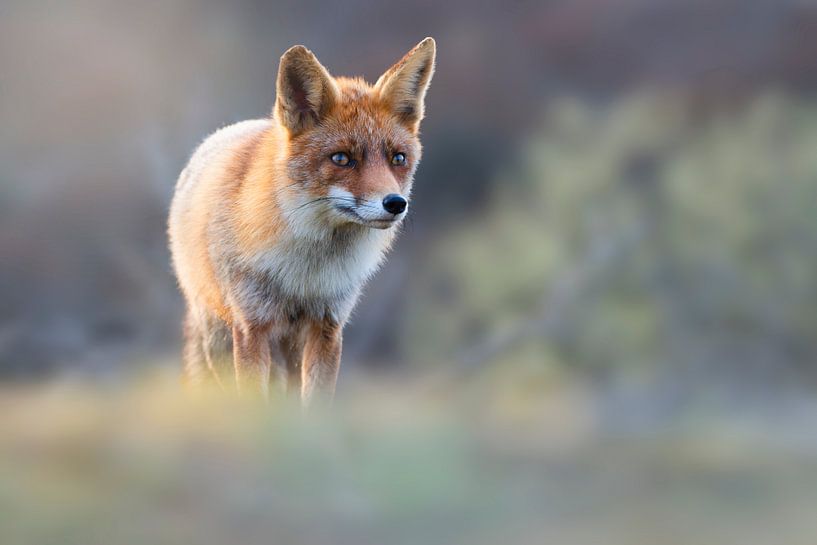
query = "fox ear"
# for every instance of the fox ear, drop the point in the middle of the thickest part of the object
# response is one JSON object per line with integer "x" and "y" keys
{"x": 305, "y": 90}
{"x": 404, "y": 85}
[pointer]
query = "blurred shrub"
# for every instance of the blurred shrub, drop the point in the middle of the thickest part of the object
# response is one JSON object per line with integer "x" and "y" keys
{"x": 640, "y": 241}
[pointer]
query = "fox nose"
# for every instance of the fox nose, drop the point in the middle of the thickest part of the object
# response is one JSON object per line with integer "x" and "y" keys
{"x": 394, "y": 203}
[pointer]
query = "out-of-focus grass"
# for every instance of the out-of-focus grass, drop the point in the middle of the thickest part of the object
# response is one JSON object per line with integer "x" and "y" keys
{"x": 393, "y": 462}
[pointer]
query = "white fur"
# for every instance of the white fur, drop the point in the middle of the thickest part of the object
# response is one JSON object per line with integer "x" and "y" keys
{"x": 323, "y": 255}
{"x": 304, "y": 269}
{"x": 369, "y": 209}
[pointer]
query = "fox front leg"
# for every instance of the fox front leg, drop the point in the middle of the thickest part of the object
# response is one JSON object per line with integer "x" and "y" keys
{"x": 291, "y": 348}
{"x": 251, "y": 356}
{"x": 321, "y": 362}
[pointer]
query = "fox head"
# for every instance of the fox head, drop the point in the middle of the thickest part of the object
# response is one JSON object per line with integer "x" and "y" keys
{"x": 352, "y": 148}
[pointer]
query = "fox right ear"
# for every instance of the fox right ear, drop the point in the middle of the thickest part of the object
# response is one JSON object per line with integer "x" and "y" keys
{"x": 305, "y": 90}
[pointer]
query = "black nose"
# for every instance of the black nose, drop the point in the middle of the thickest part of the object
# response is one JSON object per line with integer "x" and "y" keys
{"x": 394, "y": 203}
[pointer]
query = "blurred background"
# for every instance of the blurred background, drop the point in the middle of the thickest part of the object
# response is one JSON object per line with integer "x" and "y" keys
{"x": 606, "y": 290}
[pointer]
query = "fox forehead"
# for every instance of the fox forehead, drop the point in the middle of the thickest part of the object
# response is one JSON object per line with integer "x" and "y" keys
{"x": 361, "y": 124}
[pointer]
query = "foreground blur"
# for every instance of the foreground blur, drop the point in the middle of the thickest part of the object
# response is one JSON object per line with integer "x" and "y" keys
{"x": 413, "y": 464}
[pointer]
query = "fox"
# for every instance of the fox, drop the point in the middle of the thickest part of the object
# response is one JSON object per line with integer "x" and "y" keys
{"x": 276, "y": 224}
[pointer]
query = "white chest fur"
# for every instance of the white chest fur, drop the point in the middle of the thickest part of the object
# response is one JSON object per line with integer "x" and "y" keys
{"x": 325, "y": 267}
{"x": 317, "y": 265}
{"x": 316, "y": 275}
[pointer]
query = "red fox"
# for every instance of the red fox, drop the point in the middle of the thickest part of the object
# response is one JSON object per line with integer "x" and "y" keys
{"x": 277, "y": 223}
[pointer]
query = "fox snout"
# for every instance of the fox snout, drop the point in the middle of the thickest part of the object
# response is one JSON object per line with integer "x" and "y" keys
{"x": 376, "y": 212}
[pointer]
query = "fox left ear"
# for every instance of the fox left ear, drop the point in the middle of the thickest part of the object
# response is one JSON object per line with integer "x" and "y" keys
{"x": 404, "y": 85}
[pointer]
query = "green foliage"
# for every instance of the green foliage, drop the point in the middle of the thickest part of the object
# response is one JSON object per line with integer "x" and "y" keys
{"x": 710, "y": 225}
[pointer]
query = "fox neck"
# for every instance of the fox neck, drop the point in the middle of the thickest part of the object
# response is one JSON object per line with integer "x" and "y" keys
{"x": 315, "y": 262}
{"x": 315, "y": 236}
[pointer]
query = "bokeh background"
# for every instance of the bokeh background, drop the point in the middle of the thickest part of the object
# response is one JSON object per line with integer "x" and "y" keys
{"x": 599, "y": 321}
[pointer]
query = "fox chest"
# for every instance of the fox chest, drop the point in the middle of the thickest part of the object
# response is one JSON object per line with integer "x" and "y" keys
{"x": 315, "y": 278}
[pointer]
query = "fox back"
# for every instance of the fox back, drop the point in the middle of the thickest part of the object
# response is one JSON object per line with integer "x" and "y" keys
{"x": 277, "y": 223}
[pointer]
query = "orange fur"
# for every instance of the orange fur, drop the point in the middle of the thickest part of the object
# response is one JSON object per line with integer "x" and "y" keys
{"x": 272, "y": 239}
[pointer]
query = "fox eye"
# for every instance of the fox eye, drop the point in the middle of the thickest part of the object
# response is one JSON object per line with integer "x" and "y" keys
{"x": 341, "y": 159}
{"x": 398, "y": 159}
